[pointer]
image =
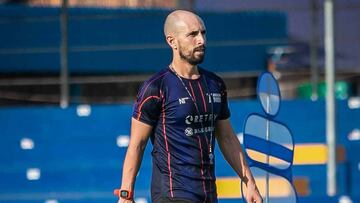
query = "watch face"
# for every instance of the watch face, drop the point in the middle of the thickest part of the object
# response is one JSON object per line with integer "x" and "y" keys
{"x": 124, "y": 193}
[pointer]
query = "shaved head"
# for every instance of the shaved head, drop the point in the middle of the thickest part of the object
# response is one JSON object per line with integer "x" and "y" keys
{"x": 185, "y": 33}
{"x": 177, "y": 20}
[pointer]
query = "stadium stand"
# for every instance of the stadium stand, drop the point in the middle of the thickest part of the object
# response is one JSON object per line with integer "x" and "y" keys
{"x": 107, "y": 41}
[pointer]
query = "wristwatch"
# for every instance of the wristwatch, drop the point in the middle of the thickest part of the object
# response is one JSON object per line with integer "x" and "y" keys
{"x": 126, "y": 194}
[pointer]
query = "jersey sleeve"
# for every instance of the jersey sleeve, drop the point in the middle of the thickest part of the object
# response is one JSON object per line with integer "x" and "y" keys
{"x": 148, "y": 104}
{"x": 224, "y": 112}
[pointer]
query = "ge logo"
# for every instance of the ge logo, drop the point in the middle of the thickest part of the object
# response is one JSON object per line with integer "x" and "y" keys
{"x": 189, "y": 132}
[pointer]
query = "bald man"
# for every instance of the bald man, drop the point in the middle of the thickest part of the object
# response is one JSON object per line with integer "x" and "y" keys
{"x": 183, "y": 109}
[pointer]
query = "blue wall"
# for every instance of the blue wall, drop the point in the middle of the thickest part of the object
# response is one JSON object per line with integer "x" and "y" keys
{"x": 81, "y": 162}
{"x": 103, "y": 41}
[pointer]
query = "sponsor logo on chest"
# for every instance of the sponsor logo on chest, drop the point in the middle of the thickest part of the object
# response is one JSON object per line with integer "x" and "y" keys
{"x": 190, "y": 119}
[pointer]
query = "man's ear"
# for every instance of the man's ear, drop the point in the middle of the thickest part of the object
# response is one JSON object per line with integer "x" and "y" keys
{"x": 171, "y": 41}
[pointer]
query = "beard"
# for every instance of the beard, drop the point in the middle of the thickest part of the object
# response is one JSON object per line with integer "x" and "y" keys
{"x": 191, "y": 56}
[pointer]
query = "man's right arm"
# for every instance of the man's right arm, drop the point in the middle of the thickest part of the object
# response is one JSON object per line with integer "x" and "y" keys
{"x": 140, "y": 133}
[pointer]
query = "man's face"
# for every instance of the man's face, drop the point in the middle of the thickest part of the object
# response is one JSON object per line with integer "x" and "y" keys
{"x": 191, "y": 42}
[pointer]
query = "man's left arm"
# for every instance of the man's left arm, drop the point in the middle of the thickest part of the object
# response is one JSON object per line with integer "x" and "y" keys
{"x": 233, "y": 153}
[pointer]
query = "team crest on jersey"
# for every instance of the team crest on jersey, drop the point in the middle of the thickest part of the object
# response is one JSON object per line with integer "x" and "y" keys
{"x": 189, "y": 131}
{"x": 215, "y": 97}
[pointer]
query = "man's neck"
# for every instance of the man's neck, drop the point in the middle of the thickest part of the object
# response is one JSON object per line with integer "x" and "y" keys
{"x": 186, "y": 70}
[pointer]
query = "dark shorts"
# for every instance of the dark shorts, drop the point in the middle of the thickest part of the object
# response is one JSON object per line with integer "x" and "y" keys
{"x": 167, "y": 200}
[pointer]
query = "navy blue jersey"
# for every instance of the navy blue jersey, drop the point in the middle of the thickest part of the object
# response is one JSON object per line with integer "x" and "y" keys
{"x": 181, "y": 138}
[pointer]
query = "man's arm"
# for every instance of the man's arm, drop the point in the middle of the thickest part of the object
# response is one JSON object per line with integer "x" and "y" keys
{"x": 140, "y": 133}
{"x": 233, "y": 153}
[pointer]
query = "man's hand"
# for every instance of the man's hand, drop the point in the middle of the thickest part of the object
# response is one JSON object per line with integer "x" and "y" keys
{"x": 252, "y": 194}
{"x": 121, "y": 200}
{"x": 233, "y": 153}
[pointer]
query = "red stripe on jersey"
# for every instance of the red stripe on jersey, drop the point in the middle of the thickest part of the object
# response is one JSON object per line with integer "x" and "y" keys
{"x": 202, "y": 96}
{"x": 192, "y": 91}
{"x": 143, "y": 102}
{"x": 151, "y": 81}
{"x": 167, "y": 147}
{"x": 207, "y": 142}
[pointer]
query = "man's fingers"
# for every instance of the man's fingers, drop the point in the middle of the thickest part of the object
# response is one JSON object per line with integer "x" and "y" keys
{"x": 259, "y": 199}
{"x": 255, "y": 198}
{"x": 249, "y": 200}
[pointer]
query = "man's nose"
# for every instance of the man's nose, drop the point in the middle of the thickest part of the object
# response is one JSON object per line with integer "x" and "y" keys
{"x": 201, "y": 39}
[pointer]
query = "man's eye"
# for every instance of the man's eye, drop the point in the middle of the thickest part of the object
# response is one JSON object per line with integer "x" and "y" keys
{"x": 193, "y": 34}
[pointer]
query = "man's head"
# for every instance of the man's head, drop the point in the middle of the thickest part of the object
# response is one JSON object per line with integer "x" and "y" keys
{"x": 185, "y": 34}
